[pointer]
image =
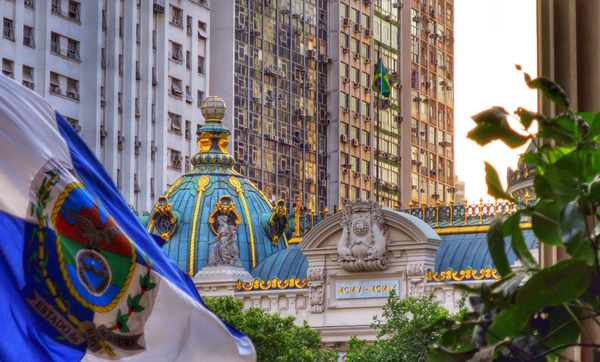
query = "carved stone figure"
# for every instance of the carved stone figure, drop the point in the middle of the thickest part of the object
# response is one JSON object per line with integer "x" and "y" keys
{"x": 225, "y": 252}
{"x": 316, "y": 278}
{"x": 415, "y": 273}
{"x": 363, "y": 245}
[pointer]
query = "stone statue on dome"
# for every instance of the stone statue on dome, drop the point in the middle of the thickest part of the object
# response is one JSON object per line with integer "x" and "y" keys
{"x": 225, "y": 252}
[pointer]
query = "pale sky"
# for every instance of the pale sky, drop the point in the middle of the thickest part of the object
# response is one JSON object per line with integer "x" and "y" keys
{"x": 490, "y": 36}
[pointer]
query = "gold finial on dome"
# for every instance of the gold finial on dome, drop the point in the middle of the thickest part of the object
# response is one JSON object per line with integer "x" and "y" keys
{"x": 213, "y": 108}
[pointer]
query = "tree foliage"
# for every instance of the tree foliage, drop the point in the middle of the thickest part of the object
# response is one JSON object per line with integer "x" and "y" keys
{"x": 276, "y": 338}
{"x": 539, "y": 319}
{"x": 403, "y": 335}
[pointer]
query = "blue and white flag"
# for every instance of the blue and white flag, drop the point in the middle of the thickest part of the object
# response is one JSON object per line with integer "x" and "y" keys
{"x": 80, "y": 279}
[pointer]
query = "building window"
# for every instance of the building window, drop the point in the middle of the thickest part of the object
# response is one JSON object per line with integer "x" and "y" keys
{"x": 354, "y": 163}
{"x": 74, "y": 123}
{"x": 72, "y": 89}
{"x": 73, "y": 50}
{"x": 176, "y": 52}
{"x": 366, "y": 109}
{"x": 9, "y": 32}
{"x": 121, "y": 26}
{"x": 28, "y": 77}
{"x": 188, "y": 60}
{"x": 188, "y": 95}
{"x": 175, "y": 159}
{"x": 174, "y": 123}
{"x": 366, "y": 80}
{"x": 365, "y": 138}
{"x": 354, "y": 75}
{"x": 188, "y": 25}
{"x": 7, "y": 68}
{"x": 137, "y": 33}
{"x": 200, "y": 98}
{"x": 28, "y": 39}
{"x": 30, "y": 4}
{"x": 188, "y": 130}
{"x": 366, "y": 51}
{"x": 55, "y": 43}
{"x": 55, "y": 83}
{"x": 56, "y": 8}
{"x": 176, "y": 89}
{"x": 202, "y": 31}
{"x": 365, "y": 167}
{"x": 365, "y": 194}
{"x": 120, "y": 64}
{"x": 74, "y": 10}
{"x": 201, "y": 69}
{"x": 177, "y": 17}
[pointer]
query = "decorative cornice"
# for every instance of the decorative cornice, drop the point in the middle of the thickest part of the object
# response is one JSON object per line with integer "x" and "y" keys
{"x": 472, "y": 229}
{"x": 273, "y": 284}
{"x": 467, "y": 274}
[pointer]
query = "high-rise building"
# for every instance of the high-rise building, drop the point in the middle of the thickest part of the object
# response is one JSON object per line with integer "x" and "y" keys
{"x": 306, "y": 121}
{"x": 129, "y": 75}
{"x": 397, "y": 149}
{"x": 269, "y": 63}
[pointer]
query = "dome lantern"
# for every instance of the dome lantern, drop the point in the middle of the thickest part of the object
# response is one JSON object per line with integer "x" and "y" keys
{"x": 213, "y": 138}
{"x": 187, "y": 216}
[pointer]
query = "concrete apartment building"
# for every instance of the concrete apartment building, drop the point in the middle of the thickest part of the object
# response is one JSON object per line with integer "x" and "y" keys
{"x": 299, "y": 73}
{"x": 128, "y": 75}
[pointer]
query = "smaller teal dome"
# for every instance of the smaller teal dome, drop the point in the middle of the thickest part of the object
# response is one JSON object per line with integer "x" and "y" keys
{"x": 282, "y": 265}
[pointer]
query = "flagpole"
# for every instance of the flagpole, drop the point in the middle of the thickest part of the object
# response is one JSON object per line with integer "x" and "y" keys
{"x": 380, "y": 65}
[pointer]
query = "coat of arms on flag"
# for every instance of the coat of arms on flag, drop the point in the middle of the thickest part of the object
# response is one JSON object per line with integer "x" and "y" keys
{"x": 81, "y": 277}
{"x": 83, "y": 272}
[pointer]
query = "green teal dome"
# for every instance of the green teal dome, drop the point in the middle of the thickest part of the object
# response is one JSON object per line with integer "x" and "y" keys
{"x": 186, "y": 215}
{"x": 282, "y": 265}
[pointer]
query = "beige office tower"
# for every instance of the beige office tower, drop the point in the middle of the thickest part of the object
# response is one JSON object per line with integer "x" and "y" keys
{"x": 397, "y": 149}
{"x": 128, "y": 75}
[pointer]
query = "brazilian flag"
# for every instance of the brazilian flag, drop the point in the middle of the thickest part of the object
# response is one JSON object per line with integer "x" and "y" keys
{"x": 381, "y": 83}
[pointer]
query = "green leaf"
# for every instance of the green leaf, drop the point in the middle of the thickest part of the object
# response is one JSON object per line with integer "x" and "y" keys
{"x": 493, "y": 183}
{"x": 544, "y": 222}
{"x": 138, "y": 308}
{"x": 150, "y": 286}
{"x": 571, "y": 223}
{"x": 550, "y": 90}
{"x": 496, "y": 246}
{"x": 60, "y": 338}
{"x": 556, "y": 132}
{"x": 526, "y": 117}
{"x": 124, "y": 329}
{"x": 136, "y": 300}
{"x": 491, "y": 116}
{"x": 517, "y": 241}
{"x": 562, "y": 330}
{"x": 556, "y": 285}
{"x": 508, "y": 323}
{"x": 593, "y": 119}
{"x": 443, "y": 355}
{"x": 492, "y": 125}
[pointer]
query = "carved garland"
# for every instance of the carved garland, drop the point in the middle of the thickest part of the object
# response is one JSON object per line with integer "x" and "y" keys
{"x": 316, "y": 279}
{"x": 415, "y": 274}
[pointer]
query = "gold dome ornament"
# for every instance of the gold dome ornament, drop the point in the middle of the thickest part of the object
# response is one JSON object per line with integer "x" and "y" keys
{"x": 213, "y": 137}
{"x": 213, "y": 108}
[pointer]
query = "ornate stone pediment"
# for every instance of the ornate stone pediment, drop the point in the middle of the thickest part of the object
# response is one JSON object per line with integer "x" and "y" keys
{"x": 364, "y": 241}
